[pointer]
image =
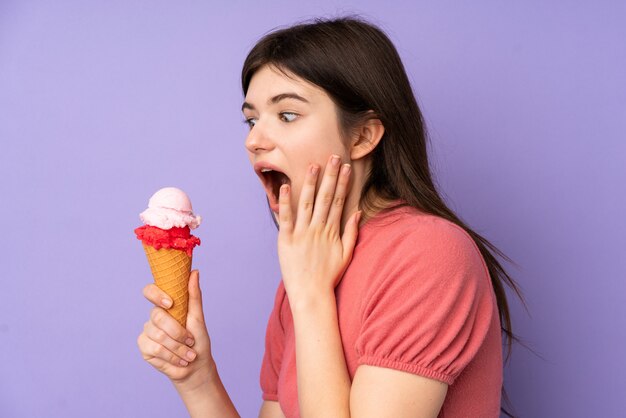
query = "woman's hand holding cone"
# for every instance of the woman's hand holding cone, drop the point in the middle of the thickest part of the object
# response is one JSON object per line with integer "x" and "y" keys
{"x": 183, "y": 355}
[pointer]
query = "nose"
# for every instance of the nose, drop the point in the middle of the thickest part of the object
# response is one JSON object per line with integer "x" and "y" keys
{"x": 259, "y": 139}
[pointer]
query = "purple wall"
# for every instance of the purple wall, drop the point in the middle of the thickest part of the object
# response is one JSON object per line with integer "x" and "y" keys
{"x": 527, "y": 111}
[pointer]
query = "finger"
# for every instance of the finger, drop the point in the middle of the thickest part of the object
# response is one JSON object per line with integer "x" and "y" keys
{"x": 195, "y": 311}
{"x": 326, "y": 192}
{"x": 159, "y": 336}
{"x": 163, "y": 320}
{"x": 307, "y": 196}
{"x": 158, "y": 363}
{"x": 336, "y": 209}
{"x": 285, "y": 217}
{"x": 157, "y": 296}
{"x": 151, "y": 349}
{"x": 350, "y": 235}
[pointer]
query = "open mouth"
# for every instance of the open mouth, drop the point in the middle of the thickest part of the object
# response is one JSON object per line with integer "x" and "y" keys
{"x": 272, "y": 180}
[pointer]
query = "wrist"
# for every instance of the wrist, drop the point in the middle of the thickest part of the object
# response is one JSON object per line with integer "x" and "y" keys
{"x": 199, "y": 382}
{"x": 206, "y": 396}
{"x": 308, "y": 302}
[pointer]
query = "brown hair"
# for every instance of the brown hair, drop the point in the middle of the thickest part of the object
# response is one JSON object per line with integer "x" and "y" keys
{"x": 359, "y": 68}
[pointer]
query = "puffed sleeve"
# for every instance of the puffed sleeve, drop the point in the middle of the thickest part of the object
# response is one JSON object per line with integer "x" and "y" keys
{"x": 432, "y": 307}
{"x": 274, "y": 346}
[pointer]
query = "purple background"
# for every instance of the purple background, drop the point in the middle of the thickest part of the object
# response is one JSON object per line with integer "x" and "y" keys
{"x": 103, "y": 103}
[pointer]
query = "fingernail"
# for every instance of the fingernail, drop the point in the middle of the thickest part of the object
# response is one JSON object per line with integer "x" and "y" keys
{"x": 345, "y": 170}
{"x": 314, "y": 169}
{"x": 183, "y": 362}
{"x": 335, "y": 160}
{"x": 358, "y": 217}
{"x": 166, "y": 303}
{"x": 284, "y": 189}
{"x": 189, "y": 342}
{"x": 190, "y": 355}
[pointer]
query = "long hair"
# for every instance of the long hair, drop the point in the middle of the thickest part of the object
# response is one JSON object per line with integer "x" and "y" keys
{"x": 360, "y": 69}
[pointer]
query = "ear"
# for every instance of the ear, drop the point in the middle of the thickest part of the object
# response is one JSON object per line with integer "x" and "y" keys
{"x": 366, "y": 138}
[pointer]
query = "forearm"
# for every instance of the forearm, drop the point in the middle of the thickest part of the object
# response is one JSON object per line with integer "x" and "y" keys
{"x": 208, "y": 399}
{"x": 323, "y": 379}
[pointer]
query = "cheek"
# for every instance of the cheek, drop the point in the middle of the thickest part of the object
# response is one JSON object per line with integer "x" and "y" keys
{"x": 320, "y": 139}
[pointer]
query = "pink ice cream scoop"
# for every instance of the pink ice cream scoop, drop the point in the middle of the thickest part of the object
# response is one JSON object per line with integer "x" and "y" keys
{"x": 170, "y": 207}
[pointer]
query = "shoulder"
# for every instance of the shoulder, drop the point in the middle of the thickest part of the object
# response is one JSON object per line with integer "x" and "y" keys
{"x": 410, "y": 254}
{"x": 408, "y": 233}
{"x": 426, "y": 306}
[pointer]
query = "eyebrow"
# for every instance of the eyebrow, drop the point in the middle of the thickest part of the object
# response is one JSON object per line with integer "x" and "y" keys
{"x": 276, "y": 99}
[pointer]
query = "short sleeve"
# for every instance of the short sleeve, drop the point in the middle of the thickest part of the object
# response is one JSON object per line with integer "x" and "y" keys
{"x": 431, "y": 307}
{"x": 274, "y": 347}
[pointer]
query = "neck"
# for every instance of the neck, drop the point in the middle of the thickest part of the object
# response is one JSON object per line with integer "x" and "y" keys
{"x": 372, "y": 203}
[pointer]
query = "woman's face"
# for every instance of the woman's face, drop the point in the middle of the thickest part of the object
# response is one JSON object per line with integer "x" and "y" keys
{"x": 293, "y": 124}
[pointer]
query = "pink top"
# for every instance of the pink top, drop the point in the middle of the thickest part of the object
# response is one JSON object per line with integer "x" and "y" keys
{"x": 417, "y": 297}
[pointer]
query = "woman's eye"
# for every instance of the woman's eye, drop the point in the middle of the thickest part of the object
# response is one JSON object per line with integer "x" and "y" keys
{"x": 288, "y": 116}
{"x": 250, "y": 122}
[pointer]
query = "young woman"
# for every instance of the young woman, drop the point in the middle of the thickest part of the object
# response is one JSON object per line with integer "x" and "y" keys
{"x": 389, "y": 305}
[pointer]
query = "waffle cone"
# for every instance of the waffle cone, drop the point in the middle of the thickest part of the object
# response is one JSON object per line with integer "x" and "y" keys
{"x": 171, "y": 269}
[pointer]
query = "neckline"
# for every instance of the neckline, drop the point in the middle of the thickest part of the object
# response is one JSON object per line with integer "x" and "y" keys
{"x": 396, "y": 208}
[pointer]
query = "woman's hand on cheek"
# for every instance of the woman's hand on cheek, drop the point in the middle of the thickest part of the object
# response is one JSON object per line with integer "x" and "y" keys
{"x": 312, "y": 252}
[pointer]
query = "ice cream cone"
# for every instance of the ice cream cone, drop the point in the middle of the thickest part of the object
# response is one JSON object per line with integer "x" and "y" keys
{"x": 171, "y": 269}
